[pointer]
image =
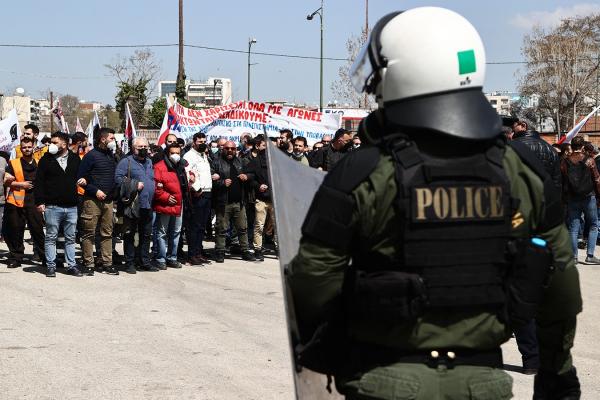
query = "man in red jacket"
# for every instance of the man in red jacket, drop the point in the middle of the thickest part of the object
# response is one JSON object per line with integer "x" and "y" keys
{"x": 170, "y": 194}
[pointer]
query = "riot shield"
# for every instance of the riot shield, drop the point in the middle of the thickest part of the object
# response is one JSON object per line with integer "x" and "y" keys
{"x": 293, "y": 187}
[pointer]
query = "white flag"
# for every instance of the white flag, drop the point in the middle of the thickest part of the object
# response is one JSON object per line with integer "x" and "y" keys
{"x": 89, "y": 131}
{"x": 10, "y": 132}
{"x": 573, "y": 132}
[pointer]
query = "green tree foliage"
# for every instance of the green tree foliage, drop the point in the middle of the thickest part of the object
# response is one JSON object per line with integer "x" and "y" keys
{"x": 136, "y": 76}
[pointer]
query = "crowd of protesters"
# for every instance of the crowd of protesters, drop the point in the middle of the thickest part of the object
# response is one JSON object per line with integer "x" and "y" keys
{"x": 162, "y": 202}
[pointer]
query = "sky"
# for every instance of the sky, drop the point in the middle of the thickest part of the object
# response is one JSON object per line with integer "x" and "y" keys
{"x": 279, "y": 26}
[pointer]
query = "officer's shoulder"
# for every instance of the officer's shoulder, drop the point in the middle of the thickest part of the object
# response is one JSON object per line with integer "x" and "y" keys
{"x": 353, "y": 169}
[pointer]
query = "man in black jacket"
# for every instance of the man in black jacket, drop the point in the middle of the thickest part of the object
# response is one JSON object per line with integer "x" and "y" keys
{"x": 526, "y": 335}
{"x": 326, "y": 158}
{"x": 259, "y": 177}
{"x": 98, "y": 170}
{"x": 542, "y": 150}
{"x": 230, "y": 199}
{"x": 56, "y": 196}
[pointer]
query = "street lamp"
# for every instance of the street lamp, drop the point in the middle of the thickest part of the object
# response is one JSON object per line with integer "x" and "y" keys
{"x": 251, "y": 41}
{"x": 215, "y": 83}
{"x": 310, "y": 17}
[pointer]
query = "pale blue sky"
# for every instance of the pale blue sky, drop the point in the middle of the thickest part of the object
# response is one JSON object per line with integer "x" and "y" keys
{"x": 280, "y": 26}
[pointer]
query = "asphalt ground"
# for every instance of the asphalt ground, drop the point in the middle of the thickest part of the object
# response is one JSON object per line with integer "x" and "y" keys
{"x": 211, "y": 332}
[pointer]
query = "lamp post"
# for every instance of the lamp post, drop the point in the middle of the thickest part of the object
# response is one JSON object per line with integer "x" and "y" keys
{"x": 251, "y": 41}
{"x": 215, "y": 83}
{"x": 310, "y": 17}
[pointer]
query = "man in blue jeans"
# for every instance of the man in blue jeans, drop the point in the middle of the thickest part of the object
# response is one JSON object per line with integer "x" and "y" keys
{"x": 581, "y": 189}
{"x": 55, "y": 190}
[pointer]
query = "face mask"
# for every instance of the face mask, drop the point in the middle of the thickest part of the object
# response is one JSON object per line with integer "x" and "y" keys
{"x": 112, "y": 146}
{"x": 298, "y": 154}
{"x": 175, "y": 158}
{"x": 52, "y": 149}
{"x": 202, "y": 147}
{"x": 143, "y": 153}
{"x": 214, "y": 150}
{"x": 356, "y": 146}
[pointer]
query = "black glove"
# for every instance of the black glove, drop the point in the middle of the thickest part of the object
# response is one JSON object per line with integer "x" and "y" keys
{"x": 551, "y": 386}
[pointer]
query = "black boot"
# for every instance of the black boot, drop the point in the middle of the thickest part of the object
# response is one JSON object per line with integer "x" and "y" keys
{"x": 258, "y": 255}
{"x": 220, "y": 256}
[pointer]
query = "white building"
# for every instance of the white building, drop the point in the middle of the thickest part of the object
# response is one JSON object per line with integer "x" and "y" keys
{"x": 500, "y": 101}
{"x": 213, "y": 92}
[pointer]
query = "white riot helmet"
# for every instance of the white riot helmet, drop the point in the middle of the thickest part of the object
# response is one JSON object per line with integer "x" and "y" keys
{"x": 426, "y": 67}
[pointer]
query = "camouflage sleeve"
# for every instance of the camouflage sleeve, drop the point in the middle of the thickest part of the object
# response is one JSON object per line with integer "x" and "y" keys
{"x": 556, "y": 318}
{"x": 315, "y": 280}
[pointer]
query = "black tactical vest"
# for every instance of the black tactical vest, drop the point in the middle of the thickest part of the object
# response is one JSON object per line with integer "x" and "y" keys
{"x": 456, "y": 225}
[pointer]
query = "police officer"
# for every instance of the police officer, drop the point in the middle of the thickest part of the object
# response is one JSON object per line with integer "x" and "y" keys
{"x": 425, "y": 248}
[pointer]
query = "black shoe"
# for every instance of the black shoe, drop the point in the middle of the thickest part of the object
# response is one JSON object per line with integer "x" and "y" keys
{"x": 51, "y": 273}
{"x": 74, "y": 271}
{"x": 529, "y": 371}
{"x": 174, "y": 264}
{"x": 149, "y": 268}
{"x": 131, "y": 269}
{"x": 13, "y": 264}
{"x": 247, "y": 256}
{"x": 258, "y": 255}
{"x": 220, "y": 257}
{"x": 111, "y": 270}
{"x": 36, "y": 258}
{"x": 89, "y": 271}
{"x": 161, "y": 266}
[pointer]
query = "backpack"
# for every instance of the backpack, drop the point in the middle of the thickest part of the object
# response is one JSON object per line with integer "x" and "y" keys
{"x": 579, "y": 177}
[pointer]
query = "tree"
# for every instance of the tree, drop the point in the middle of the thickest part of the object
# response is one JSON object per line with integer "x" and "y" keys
{"x": 69, "y": 104}
{"x": 561, "y": 68}
{"x": 157, "y": 112}
{"x": 342, "y": 89}
{"x": 135, "y": 74}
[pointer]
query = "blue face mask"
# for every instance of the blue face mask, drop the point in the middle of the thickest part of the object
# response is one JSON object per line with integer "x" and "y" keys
{"x": 214, "y": 150}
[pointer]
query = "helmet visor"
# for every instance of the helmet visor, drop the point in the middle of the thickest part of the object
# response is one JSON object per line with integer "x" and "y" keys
{"x": 362, "y": 71}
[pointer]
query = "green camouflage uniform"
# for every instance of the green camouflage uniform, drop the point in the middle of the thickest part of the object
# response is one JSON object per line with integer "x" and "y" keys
{"x": 317, "y": 273}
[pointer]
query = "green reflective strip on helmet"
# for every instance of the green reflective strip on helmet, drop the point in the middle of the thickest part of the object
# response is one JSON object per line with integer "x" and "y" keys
{"x": 466, "y": 62}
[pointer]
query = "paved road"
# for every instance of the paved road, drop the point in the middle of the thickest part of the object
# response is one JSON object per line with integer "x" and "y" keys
{"x": 213, "y": 332}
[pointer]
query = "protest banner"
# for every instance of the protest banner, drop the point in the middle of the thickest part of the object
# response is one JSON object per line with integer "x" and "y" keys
{"x": 10, "y": 132}
{"x": 232, "y": 120}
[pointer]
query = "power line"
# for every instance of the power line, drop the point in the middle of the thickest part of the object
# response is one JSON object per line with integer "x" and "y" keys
{"x": 221, "y": 49}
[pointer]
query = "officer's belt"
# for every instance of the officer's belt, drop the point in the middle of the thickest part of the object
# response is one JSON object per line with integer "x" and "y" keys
{"x": 379, "y": 355}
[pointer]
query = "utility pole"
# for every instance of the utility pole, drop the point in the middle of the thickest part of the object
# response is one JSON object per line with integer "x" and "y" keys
{"x": 51, "y": 108}
{"x": 366, "y": 38}
{"x": 251, "y": 41}
{"x": 180, "y": 85}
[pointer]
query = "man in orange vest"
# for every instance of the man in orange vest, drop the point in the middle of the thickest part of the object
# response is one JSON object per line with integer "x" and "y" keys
{"x": 20, "y": 205}
{"x": 31, "y": 131}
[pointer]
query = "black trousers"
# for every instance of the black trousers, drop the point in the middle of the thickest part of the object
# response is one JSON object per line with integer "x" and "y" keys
{"x": 143, "y": 227}
{"x": 528, "y": 345}
{"x": 15, "y": 219}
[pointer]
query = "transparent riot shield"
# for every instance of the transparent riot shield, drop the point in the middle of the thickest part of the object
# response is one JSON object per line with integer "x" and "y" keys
{"x": 293, "y": 187}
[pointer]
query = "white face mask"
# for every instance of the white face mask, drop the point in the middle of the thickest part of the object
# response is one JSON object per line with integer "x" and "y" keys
{"x": 52, "y": 149}
{"x": 175, "y": 158}
{"x": 112, "y": 146}
{"x": 214, "y": 150}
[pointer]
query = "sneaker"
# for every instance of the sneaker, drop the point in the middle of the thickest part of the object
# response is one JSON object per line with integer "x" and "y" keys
{"x": 74, "y": 271}
{"x": 592, "y": 260}
{"x": 258, "y": 255}
{"x": 111, "y": 270}
{"x": 161, "y": 266}
{"x": 174, "y": 264}
{"x": 247, "y": 256}
{"x": 13, "y": 264}
{"x": 131, "y": 269}
{"x": 220, "y": 257}
{"x": 89, "y": 270}
{"x": 51, "y": 272}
